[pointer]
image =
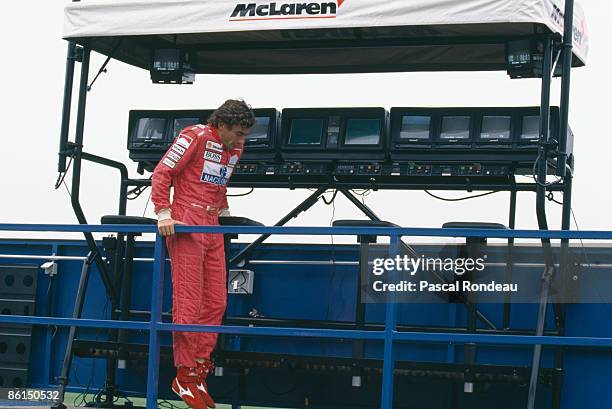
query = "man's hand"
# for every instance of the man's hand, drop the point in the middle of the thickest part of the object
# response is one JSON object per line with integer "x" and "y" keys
{"x": 166, "y": 226}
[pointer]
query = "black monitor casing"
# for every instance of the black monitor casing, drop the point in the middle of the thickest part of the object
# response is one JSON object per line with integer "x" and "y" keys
{"x": 534, "y": 111}
{"x": 466, "y": 143}
{"x": 150, "y": 151}
{"x": 264, "y": 149}
{"x": 332, "y": 146}
{"x": 476, "y": 148}
{"x": 494, "y": 144}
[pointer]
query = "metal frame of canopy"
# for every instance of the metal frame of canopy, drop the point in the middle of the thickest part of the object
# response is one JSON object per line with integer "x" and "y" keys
{"x": 555, "y": 50}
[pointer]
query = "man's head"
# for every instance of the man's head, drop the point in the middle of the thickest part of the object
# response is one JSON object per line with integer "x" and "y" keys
{"x": 233, "y": 120}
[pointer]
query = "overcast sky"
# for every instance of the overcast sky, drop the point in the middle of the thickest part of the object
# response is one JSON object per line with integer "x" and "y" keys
{"x": 32, "y": 76}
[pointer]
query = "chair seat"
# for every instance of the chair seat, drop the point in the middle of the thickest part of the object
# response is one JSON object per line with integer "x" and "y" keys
{"x": 238, "y": 221}
{"x": 117, "y": 219}
{"x": 363, "y": 223}
{"x": 474, "y": 225}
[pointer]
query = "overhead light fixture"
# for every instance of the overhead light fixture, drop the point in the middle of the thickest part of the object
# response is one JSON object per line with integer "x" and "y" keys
{"x": 171, "y": 66}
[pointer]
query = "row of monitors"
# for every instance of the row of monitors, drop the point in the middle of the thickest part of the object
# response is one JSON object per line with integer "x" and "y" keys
{"x": 367, "y": 133}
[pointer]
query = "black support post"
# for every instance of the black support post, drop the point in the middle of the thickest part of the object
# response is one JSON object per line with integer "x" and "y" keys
{"x": 76, "y": 173}
{"x": 68, "y": 84}
{"x": 568, "y": 31}
{"x": 78, "y": 309}
{"x": 542, "y": 170}
{"x": 509, "y": 259}
{"x": 560, "y": 310}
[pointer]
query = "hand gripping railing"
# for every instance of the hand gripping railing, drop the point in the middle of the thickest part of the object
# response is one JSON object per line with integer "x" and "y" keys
{"x": 389, "y": 336}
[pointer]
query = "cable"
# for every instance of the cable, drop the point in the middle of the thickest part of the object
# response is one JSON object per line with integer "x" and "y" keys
{"x": 446, "y": 199}
{"x": 363, "y": 194}
{"x": 147, "y": 204}
{"x": 551, "y": 197}
{"x": 333, "y": 259}
{"x": 242, "y": 194}
{"x": 82, "y": 397}
{"x": 586, "y": 259}
{"x": 136, "y": 192}
{"x": 332, "y": 199}
{"x": 67, "y": 190}
{"x": 534, "y": 173}
{"x": 62, "y": 175}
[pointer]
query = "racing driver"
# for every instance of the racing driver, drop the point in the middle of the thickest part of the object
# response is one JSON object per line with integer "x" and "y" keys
{"x": 199, "y": 165}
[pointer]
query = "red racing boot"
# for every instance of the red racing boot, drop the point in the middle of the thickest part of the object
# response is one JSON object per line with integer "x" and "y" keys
{"x": 185, "y": 385}
{"x": 204, "y": 368}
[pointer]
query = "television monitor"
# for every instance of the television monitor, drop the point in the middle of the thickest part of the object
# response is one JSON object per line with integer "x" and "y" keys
{"x": 306, "y": 132}
{"x": 530, "y": 127}
{"x": 455, "y": 127}
{"x": 151, "y": 132}
{"x": 261, "y": 142}
{"x": 178, "y": 124}
{"x": 334, "y": 133}
{"x": 363, "y": 131}
{"x": 496, "y": 127}
{"x": 261, "y": 129}
{"x": 415, "y": 127}
{"x": 150, "y": 129}
{"x": 528, "y": 133}
{"x": 412, "y": 130}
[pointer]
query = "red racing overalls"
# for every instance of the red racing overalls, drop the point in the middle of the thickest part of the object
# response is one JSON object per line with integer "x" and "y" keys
{"x": 199, "y": 167}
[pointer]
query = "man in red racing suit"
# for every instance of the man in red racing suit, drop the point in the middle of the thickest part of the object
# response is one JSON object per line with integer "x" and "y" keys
{"x": 199, "y": 165}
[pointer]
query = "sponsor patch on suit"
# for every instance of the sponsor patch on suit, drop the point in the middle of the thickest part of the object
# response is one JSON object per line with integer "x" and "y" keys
{"x": 169, "y": 163}
{"x": 184, "y": 140}
{"x": 178, "y": 149}
{"x": 174, "y": 156}
{"x": 215, "y": 157}
{"x": 214, "y": 146}
{"x": 216, "y": 173}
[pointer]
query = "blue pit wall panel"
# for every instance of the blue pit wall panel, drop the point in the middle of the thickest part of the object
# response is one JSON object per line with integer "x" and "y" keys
{"x": 310, "y": 292}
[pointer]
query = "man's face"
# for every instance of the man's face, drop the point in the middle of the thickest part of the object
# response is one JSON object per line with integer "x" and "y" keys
{"x": 232, "y": 135}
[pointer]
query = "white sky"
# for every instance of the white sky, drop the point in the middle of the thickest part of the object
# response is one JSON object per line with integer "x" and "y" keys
{"x": 32, "y": 75}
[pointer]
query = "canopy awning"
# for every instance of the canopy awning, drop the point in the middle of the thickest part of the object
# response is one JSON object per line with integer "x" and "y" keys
{"x": 326, "y": 36}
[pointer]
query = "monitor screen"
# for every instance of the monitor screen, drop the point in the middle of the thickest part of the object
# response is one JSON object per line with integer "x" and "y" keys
{"x": 182, "y": 123}
{"x": 150, "y": 128}
{"x": 531, "y": 127}
{"x": 306, "y": 131}
{"x": 362, "y": 132}
{"x": 495, "y": 127}
{"x": 455, "y": 127}
{"x": 415, "y": 127}
{"x": 260, "y": 129}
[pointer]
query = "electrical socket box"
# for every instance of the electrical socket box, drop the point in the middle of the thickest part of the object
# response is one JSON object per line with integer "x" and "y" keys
{"x": 240, "y": 281}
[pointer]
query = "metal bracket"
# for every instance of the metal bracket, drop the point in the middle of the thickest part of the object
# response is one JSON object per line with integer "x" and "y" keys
{"x": 50, "y": 268}
{"x": 78, "y": 53}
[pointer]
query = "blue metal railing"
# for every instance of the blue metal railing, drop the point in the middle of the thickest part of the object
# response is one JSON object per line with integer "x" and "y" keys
{"x": 389, "y": 336}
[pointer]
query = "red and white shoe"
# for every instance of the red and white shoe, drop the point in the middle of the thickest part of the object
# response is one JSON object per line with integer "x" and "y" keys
{"x": 203, "y": 369}
{"x": 185, "y": 385}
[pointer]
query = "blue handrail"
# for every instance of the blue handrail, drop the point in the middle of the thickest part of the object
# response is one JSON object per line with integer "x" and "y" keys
{"x": 322, "y": 231}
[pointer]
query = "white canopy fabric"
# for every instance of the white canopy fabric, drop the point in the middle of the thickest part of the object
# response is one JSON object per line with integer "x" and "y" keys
{"x": 249, "y": 21}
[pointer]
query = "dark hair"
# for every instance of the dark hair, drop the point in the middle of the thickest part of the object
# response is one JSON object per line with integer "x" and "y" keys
{"x": 233, "y": 112}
